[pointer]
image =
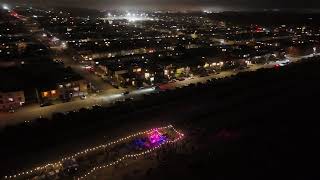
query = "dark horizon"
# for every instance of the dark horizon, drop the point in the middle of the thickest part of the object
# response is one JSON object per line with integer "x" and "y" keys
{"x": 180, "y": 5}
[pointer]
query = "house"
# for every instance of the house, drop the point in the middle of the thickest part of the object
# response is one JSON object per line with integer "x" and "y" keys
{"x": 64, "y": 90}
{"x": 11, "y": 99}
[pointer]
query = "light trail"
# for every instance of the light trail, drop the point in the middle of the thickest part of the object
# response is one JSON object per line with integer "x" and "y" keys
{"x": 144, "y": 91}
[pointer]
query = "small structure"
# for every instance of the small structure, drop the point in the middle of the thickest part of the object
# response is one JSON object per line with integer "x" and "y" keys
{"x": 11, "y": 99}
{"x": 64, "y": 90}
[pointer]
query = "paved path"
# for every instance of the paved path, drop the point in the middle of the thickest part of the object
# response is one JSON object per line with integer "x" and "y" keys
{"x": 110, "y": 96}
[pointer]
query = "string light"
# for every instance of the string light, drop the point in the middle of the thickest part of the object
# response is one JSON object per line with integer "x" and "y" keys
{"x": 59, "y": 164}
{"x": 133, "y": 155}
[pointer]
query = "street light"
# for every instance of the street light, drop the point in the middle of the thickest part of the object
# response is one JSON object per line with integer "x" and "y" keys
{"x": 64, "y": 45}
{"x": 5, "y": 7}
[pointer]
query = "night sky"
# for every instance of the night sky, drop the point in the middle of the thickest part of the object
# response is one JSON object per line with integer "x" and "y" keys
{"x": 180, "y": 4}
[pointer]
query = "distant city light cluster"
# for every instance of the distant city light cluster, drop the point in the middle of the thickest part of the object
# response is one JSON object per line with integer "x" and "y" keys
{"x": 207, "y": 11}
{"x": 131, "y": 17}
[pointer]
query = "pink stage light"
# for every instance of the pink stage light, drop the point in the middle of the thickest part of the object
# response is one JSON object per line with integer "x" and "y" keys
{"x": 155, "y": 136}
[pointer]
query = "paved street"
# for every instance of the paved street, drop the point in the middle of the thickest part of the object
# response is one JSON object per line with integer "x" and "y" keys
{"x": 66, "y": 55}
{"x": 105, "y": 98}
{"x": 96, "y": 81}
{"x": 109, "y": 96}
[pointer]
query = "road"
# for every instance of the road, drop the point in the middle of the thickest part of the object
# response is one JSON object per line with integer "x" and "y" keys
{"x": 108, "y": 97}
{"x": 66, "y": 55}
{"x": 96, "y": 81}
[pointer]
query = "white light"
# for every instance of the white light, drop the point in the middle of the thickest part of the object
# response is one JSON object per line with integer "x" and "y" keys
{"x": 5, "y": 7}
{"x": 132, "y": 19}
{"x": 54, "y": 39}
{"x": 64, "y": 45}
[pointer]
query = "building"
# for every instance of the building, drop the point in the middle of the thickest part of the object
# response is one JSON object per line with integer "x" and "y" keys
{"x": 64, "y": 90}
{"x": 112, "y": 71}
{"x": 11, "y": 100}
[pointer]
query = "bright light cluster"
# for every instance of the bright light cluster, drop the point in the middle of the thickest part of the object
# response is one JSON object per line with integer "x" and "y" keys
{"x": 155, "y": 136}
{"x": 131, "y": 17}
{"x": 102, "y": 146}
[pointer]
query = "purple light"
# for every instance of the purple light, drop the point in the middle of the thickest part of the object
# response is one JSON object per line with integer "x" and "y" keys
{"x": 155, "y": 136}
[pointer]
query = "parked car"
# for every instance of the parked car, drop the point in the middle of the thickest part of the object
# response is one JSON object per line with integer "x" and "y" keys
{"x": 125, "y": 93}
{"x": 128, "y": 99}
{"x": 11, "y": 110}
{"x": 45, "y": 104}
{"x": 66, "y": 100}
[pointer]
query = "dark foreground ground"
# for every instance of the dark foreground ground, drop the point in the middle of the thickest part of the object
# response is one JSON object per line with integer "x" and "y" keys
{"x": 261, "y": 125}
